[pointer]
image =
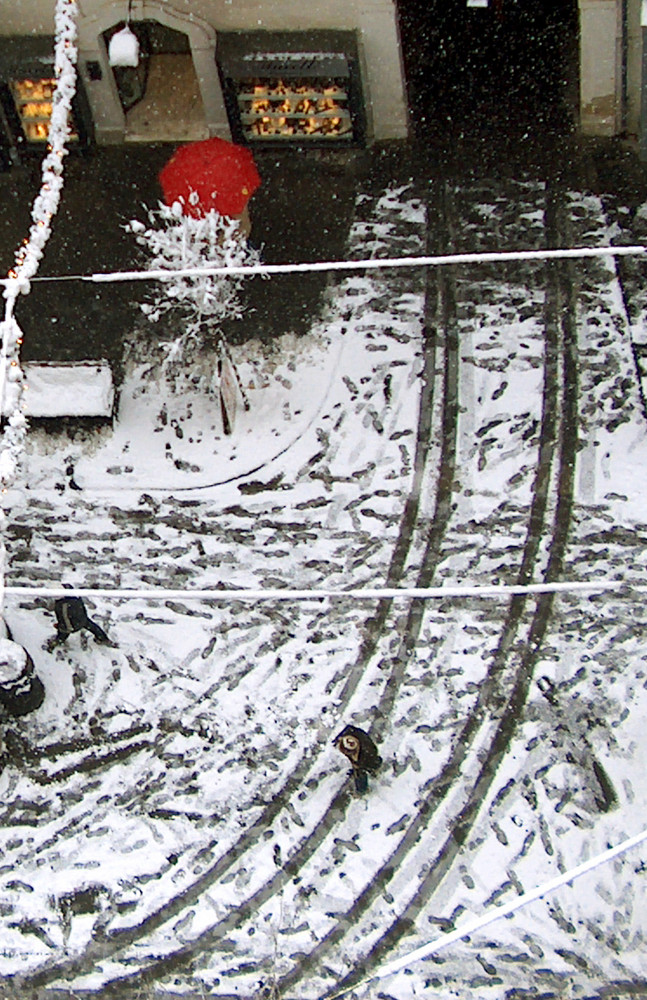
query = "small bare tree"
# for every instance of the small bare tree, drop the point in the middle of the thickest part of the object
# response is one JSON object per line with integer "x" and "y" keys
{"x": 176, "y": 242}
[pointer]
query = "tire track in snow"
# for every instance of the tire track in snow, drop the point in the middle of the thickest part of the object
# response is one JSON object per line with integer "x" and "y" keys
{"x": 188, "y": 953}
{"x": 122, "y": 938}
{"x": 440, "y": 310}
{"x": 490, "y": 693}
{"x": 492, "y": 688}
{"x": 506, "y": 711}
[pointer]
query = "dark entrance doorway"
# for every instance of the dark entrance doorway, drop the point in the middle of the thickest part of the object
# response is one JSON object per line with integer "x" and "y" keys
{"x": 482, "y": 66}
{"x": 161, "y": 95}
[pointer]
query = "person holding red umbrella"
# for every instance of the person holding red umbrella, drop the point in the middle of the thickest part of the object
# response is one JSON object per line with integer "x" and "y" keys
{"x": 209, "y": 175}
{"x": 202, "y": 224}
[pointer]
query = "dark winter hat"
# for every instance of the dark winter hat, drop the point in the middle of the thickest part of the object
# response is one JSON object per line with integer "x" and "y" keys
{"x": 359, "y": 748}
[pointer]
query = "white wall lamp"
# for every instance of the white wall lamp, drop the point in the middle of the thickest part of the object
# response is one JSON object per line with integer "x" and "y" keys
{"x": 123, "y": 49}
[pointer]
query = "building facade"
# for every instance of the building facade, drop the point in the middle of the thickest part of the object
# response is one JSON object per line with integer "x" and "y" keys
{"x": 272, "y": 71}
{"x": 266, "y": 70}
{"x": 610, "y": 67}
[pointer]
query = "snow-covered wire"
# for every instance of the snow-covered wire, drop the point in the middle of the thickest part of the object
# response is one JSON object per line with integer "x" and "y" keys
{"x": 497, "y": 913}
{"x": 371, "y": 263}
{"x": 227, "y": 595}
{"x": 377, "y": 263}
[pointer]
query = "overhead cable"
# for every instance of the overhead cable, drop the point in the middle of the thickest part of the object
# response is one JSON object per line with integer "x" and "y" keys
{"x": 371, "y": 263}
{"x": 228, "y": 594}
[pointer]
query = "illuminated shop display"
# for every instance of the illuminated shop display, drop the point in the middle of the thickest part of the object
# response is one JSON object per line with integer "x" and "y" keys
{"x": 33, "y": 101}
{"x": 302, "y": 108}
{"x": 292, "y": 87}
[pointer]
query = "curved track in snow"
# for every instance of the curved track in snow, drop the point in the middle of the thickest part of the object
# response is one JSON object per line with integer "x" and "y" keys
{"x": 441, "y": 346}
{"x": 87, "y": 756}
{"x": 503, "y": 693}
{"x": 397, "y": 654}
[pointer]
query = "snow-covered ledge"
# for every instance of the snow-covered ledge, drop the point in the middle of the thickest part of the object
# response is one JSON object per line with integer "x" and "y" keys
{"x": 68, "y": 389}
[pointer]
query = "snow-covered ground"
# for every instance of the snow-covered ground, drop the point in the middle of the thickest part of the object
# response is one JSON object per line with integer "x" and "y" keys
{"x": 176, "y": 810}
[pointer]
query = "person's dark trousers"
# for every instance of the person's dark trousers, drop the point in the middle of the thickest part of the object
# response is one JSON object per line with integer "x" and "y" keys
{"x": 71, "y": 616}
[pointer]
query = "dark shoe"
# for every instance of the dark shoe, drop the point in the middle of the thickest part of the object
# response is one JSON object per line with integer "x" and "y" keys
{"x": 361, "y": 781}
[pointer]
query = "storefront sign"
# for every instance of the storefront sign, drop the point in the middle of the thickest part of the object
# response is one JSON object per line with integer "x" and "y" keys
{"x": 291, "y": 64}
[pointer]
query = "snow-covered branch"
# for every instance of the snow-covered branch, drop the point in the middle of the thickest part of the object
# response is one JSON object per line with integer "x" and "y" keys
{"x": 30, "y": 253}
{"x": 175, "y": 242}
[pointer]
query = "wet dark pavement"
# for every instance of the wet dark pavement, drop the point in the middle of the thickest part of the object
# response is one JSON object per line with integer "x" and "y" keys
{"x": 302, "y": 212}
{"x": 102, "y": 190}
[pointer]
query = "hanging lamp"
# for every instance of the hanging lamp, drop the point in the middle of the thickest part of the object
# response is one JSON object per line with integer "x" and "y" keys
{"x": 123, "y": 49}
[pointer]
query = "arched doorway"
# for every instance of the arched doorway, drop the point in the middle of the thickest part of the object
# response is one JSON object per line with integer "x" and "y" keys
{"x": 160, "y": 96}
{"x": 145, "y": 107}
{"x": 485, "y": 64}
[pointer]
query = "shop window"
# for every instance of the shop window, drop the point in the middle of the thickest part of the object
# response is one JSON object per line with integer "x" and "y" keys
{"x": 292, "y": 87}
{"x": 32, "y": 99}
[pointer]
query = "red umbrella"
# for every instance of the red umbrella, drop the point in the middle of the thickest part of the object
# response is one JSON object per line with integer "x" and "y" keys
{"x": 210, "y": 174}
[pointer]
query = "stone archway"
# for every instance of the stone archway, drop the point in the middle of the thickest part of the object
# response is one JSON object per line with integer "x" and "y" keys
{"x": 160, "y": 96}
{"x": 108, "y": 114}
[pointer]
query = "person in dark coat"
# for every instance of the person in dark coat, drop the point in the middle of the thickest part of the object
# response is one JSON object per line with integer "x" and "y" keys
{"x": 358, "y": 747}
{"x": 71, "y": 616}
{"x": 21, "y": 690}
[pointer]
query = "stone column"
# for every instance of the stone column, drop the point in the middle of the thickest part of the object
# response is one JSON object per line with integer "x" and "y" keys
{"x": 600, "y": 66}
